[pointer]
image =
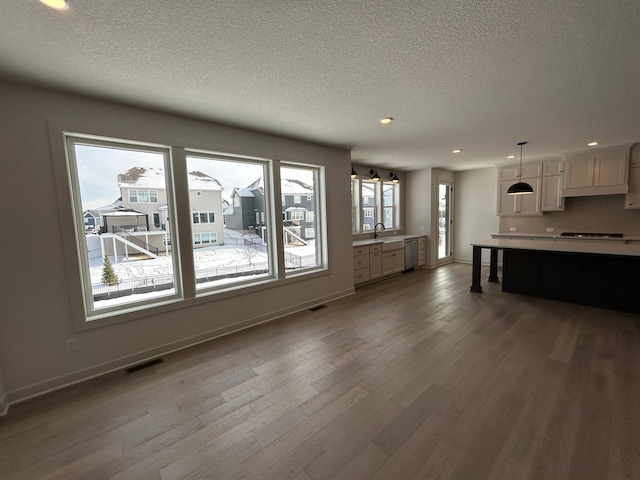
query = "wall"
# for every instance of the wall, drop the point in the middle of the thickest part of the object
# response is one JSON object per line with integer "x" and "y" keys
{"x": 475, "y": 211}
{"x": 602, "y": 213}
{"x": 35, "y": 295}
{"x": 418, "y": 202}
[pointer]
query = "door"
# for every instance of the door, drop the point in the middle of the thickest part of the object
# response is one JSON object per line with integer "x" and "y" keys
{"x": 445, "y": 222}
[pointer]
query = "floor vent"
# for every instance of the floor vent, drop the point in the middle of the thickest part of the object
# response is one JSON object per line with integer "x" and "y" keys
{"x": 317, "y": 307}
{"x": 142, "y": 366}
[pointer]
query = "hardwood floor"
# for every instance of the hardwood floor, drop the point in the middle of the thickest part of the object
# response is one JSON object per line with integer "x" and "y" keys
{"x": 414, "y": 377}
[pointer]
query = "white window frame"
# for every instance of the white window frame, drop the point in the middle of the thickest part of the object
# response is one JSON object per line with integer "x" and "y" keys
{"x": 360, "y": 212}
{"x": 178, "y": 221}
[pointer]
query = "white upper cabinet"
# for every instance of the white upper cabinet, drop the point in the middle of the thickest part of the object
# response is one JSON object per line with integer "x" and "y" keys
{"x": 632, "y": 199}
{"x": 604, "y": 172}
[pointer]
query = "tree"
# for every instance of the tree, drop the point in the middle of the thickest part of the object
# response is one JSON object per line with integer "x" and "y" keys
{"x": 109, "y": 277}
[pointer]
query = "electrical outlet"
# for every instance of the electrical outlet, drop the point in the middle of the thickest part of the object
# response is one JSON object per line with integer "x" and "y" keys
{"x": 512, "y": 229}
{"x": 71, "y": 345}
{"x": 422, "y": 228}
{"x": 549, "y": 229}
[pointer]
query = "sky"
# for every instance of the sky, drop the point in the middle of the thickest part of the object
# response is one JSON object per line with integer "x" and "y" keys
{"x": 98, "y": 169}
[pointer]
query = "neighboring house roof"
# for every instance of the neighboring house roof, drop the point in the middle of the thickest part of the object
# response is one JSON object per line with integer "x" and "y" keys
{"x": 227, "y": 208}
{"x": 290, "y": 186}
{"x": 248, "y": 191}
{"x": 141, "y": 177}
{"x": 295, "y": 209}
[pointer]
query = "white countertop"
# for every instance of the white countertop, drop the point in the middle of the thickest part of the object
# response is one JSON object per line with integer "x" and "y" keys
{"x": 373, "y": 241}
{"x": 557, "y": 236}
{"x": 568, "y": 246}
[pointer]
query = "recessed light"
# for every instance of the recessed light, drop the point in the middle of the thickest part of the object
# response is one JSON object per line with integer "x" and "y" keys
{"x": 457, "y": 150}
{"x": 511, "y": 156}
{"x": 56, "y": 4}
{"x": 386, "y": 120}
{"x": 592, "y": 144}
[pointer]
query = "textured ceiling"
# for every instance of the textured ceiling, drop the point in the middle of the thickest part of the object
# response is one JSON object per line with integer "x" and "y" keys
{"x": 479, "y": 75}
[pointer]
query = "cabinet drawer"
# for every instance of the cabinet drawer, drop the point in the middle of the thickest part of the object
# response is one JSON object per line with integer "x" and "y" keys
{"x": 422, "y": 260}
{"x": 360, "y": 275}
{"x": 422, "y": 241}
{"x": 375, "y": 248}
{"x": 361, "y": 261}
{"x": 360, "y": 250}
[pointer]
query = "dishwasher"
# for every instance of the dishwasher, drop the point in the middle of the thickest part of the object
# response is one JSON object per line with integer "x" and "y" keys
{"x": 410, "y": 254}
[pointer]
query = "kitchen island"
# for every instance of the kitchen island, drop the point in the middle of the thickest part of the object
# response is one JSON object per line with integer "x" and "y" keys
{"x": 601, "y": 274}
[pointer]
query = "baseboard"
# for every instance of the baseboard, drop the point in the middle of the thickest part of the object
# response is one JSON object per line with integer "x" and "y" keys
{"x": 57, "y": 383}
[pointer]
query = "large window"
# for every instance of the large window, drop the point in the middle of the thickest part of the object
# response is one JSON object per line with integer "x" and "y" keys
{"x": 146, "y": 254}
{"x": 302, "y": 194}
{"x": 389, "y": 204}
{"x": 128, "y": 262}
{"x": 237, "y": 252}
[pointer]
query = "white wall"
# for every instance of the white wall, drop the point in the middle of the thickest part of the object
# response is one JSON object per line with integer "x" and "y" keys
{"x": 418, "y": 202}
{"x": 475, "y": 211}
{"x": 35, "y": 294}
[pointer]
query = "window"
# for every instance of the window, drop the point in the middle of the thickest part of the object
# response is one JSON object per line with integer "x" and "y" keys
{"x": 143, "y": 196}
{"x": 374, "y": 202}
{"x": 389, "y": 202}
{"x": 127, "y": 265}
{"x": 369, "y": 201}
{"x": 302, "y": 249}
{"x": 204, "y": 217}
{"x": 239, "y": 251}
{"x": 132, "y": 265}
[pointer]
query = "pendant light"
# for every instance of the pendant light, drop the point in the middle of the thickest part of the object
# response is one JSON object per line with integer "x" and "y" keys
{"x": 520, "y": 188}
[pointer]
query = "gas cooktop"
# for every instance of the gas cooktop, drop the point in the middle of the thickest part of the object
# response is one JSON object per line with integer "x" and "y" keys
{"x": 591, "y": 235}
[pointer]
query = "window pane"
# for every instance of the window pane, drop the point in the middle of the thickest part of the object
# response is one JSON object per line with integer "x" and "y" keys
{"x": 369, "y": 201}
{"x": 299, "y": 212}
{"x": 128, "y": 262}
{"x": 389, "y": 203}
{"x": 235, "y": 250}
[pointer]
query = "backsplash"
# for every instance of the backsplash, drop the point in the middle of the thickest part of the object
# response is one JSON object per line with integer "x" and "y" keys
{"x": 604, "y": 213}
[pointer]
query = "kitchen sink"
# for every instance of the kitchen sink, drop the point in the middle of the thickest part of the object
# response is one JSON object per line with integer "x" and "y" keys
{"x": 392, "y": 244}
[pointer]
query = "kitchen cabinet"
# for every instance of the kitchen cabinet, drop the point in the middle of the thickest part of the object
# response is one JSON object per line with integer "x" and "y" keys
{"x": 598, "y": 173}
{"x": 519, "y": 205}
{"x": 632, "y": 199}
{"x": 392, "y": 262}
{"x": 375, "y": 261}
{"x": 552, "y": 199}
{"x": 422, "y": 251}
{"x": 510, "y": 172}
{"x": 361, "y": 264}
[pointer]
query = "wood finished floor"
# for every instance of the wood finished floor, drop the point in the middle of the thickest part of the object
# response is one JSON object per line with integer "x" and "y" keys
{"x": 414, "y": 377}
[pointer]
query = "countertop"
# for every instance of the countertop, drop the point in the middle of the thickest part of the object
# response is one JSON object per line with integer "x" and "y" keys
{"x": 557, "y": 236}
{"x": 373, "y": 241}
{"x": 569, "y": 246}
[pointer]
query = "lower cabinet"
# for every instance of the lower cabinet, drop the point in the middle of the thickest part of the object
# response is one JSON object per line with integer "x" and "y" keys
{"x": 392, "y": 262}
{"x": 375, "y": 262}
{"x": 605, "y": 281}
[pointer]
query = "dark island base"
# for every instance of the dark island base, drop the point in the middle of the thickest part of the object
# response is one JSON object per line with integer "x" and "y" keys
{"x": 605, "y": 281}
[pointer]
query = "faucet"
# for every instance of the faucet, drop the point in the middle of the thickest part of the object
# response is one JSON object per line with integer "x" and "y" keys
{"x": 375, "y": 232}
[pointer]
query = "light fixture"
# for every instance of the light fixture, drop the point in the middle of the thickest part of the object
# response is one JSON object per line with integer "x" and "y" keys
{"x": 592, "y": 144}
{"x": 374, "y": 176}
{"x": 386, "y": 120}
{"x": 56, "y": 4}
{"x": 520, "y": 188}
{"x": 511, "y": 156}
{"x": 394, "y": 178}
{"x": 457, "y": 150}
{"x": 354, "y": 174}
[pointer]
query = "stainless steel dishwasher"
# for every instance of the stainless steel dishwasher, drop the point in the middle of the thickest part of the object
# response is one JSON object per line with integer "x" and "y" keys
{"x": 410, "y": 254}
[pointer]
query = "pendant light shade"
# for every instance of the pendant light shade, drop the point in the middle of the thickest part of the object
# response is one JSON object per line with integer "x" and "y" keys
{"x": 520, "y": 188}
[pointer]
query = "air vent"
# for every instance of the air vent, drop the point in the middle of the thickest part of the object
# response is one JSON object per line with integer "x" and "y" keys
{"x": 317, "y": 307}
{"x": 142, "y": 366}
